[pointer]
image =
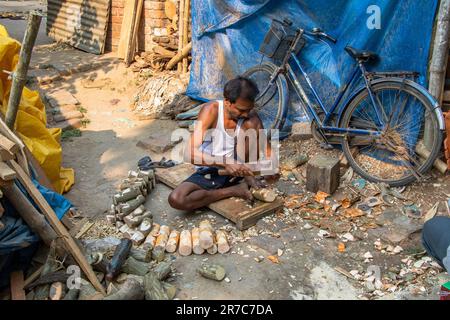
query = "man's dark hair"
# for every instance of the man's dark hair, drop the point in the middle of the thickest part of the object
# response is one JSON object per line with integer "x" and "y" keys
{"x": 240, "y": 87}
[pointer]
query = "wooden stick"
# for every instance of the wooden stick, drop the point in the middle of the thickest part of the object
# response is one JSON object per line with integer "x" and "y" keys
{"x": 17, "y": 288}
{"x": 185, "y": 32}
{"x": 131, "y": 50}
{"x": 33, "y": 276}
{"x": 20, "y": 74}
{"x": 172, "y": 243}
{"x": 180, "y": 35}
{"x": 196, "y": 247}
{"x": 185, "y": 247}
{"x": 180, "y": 55}
{"x": 57, "y": 226}
{"x": 206, "y": 234}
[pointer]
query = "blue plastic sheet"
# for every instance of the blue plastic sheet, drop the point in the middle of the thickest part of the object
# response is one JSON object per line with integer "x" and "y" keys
{"x": 228, "y": 33}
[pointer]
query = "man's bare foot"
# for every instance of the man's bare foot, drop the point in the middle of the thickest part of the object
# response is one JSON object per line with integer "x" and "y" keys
{"x": 241, "y": 190}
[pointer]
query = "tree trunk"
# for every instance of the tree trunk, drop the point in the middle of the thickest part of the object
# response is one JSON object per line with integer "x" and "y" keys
{"x": 162, "y": 270}
{"x": 130, "y": 290}
{"x": 154, "y": 289}
{"x": 136, "y": 267}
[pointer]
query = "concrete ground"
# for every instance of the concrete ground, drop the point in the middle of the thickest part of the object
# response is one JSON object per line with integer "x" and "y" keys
{"x": 107, "y": 150}
{"x": 16, "y": 27}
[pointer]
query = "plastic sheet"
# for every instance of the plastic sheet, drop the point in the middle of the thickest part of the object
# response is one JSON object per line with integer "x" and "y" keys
{"x": 227, "y": 35}
{"x": 31, "y": 120}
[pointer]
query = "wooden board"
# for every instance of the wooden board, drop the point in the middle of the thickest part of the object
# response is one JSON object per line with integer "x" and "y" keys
{"x": 17, "y": 285}
{"x": 59, "y": 228}
{"x": 233, "y": 209}
{"x": 131, "y": 49}
{"x": 127, "y": 27}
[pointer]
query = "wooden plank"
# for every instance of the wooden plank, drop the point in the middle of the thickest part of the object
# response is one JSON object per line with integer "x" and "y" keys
{"x": 131, "y": 48}
{"x": 234, "y": 209}
{"x": 126, "y": 28}
{"x": 17, "y": 285}
{"x": 6, "y": 173}
{"x": 33, "y": 276}
{"x": 8, "y": 145}
{"x": 57, "y": 226}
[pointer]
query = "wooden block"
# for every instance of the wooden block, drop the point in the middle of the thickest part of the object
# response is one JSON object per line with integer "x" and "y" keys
{"x": 322, "y": 174}
{"x": 8, "y": 145}
{"x": 236, "y": 210}
{"x": 6, "y": 173}
{"x": 17, "y": 286}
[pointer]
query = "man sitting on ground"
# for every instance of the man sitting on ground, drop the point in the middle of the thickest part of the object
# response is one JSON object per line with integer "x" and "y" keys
{"x": 436, "y": 240}
{"x": 216, "y": 149}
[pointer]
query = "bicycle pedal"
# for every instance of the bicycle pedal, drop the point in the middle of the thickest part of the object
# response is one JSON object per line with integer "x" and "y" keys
{"x": 326, "y": 146}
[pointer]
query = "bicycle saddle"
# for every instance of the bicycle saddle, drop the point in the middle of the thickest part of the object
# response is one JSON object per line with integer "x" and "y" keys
{"x": 360, "y": 55}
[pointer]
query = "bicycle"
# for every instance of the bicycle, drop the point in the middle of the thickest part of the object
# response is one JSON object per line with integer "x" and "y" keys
{"x": 390, "y": 128}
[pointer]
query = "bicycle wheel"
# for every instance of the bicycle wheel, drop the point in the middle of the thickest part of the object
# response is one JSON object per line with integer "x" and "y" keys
{"x": 271, "y": 103}
{"x": 399, "y": 155}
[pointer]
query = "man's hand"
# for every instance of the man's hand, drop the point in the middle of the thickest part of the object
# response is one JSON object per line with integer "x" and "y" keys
{"x": 238, "y": 170}
{"x": 255, "y": 183}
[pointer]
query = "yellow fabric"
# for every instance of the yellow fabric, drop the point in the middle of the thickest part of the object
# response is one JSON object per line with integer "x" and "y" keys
{"x": 31, "y": 120}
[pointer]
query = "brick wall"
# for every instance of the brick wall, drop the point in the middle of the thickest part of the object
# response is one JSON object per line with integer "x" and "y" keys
{"x": 154, "y": 26}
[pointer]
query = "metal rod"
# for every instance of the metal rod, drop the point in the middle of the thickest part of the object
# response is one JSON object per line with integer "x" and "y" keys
{"x": 20, "y": 75}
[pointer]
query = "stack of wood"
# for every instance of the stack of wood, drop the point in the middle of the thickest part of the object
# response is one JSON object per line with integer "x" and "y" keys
{"x": 127, "y": 211}
{"x": 14, "y": 165}
{"x": 157, "y": 59}
{"x": 161, "y": 96}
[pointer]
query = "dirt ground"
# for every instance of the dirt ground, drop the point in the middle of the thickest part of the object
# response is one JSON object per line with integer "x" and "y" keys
{"x": 304, "y": 238}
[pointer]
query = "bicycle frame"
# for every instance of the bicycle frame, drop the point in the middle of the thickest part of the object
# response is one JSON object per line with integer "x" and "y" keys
{"x": 325, "y": 125}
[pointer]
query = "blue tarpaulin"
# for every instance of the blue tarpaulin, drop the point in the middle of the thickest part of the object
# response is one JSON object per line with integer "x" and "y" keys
{"x": 227, "y": 35}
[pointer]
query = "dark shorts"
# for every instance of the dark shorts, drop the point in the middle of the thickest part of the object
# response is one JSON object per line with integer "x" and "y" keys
{"x": 208, "y": 178}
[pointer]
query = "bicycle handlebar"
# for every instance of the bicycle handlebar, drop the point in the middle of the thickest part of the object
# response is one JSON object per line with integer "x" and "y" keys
{"x": 319, "y": 33}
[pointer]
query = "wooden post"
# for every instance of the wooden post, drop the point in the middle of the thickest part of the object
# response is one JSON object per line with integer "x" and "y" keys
{"x": 180, "y": 31}
{"x": 20, "y": 75}
{"x": 187, "y": 5}
{"x": 438, "y": 63}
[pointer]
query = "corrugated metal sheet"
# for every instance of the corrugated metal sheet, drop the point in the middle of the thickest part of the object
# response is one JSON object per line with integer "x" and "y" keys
{"x": 81, "y": 23}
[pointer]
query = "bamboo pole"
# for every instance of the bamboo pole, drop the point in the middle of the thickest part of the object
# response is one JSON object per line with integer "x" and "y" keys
{"x": 186, "y": 16}
{"x": 438, "y": 63}
{"x": 20, "y": 75}
{"x": 183, "y": 53}
{"x": 180, "y": 31}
